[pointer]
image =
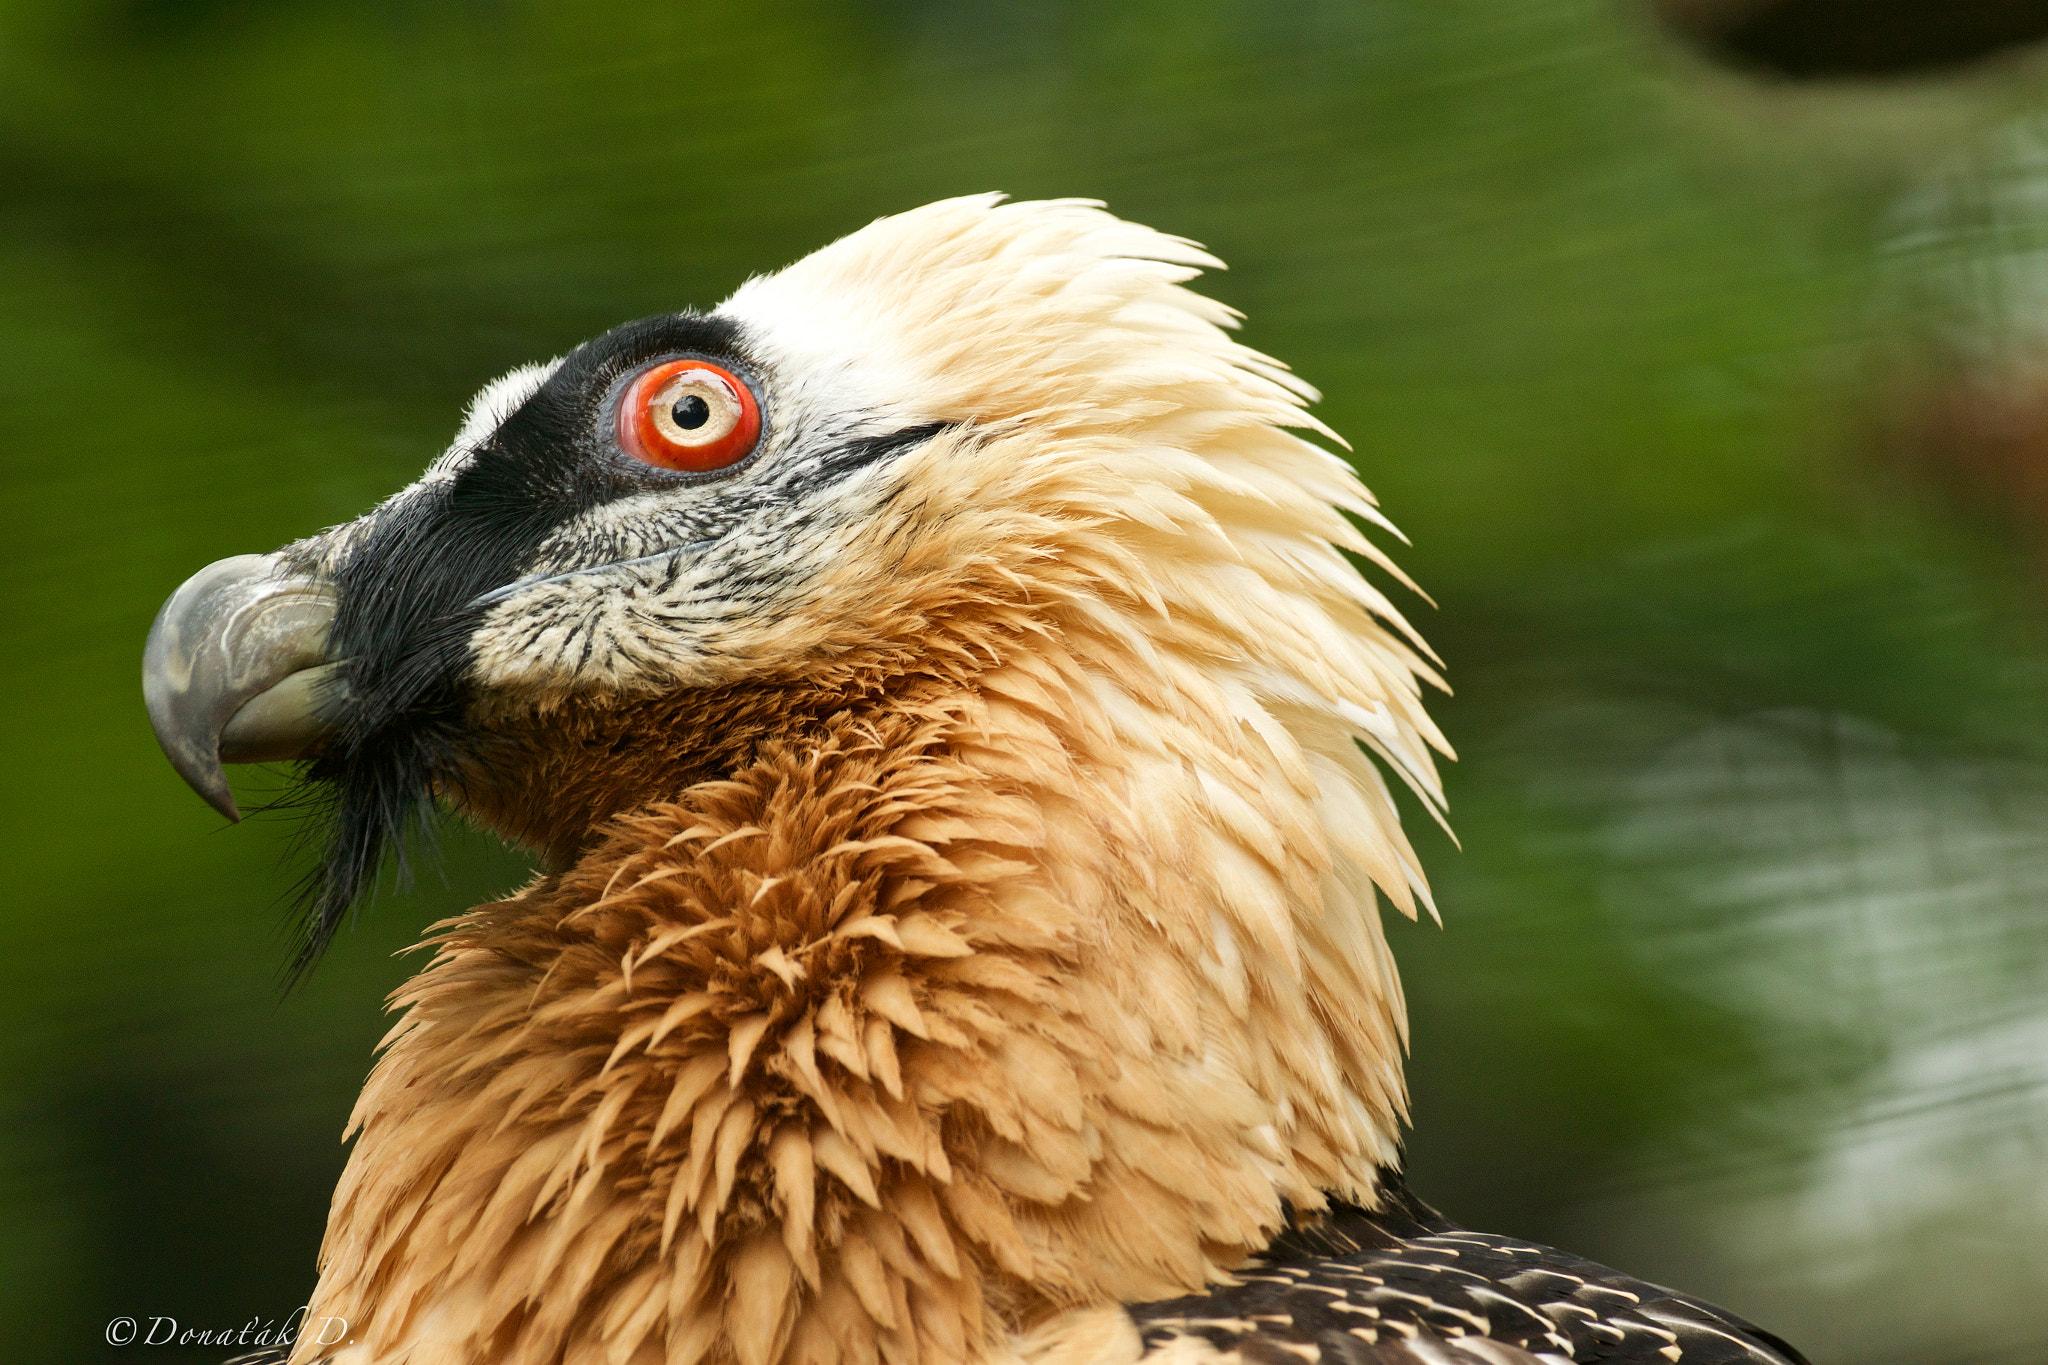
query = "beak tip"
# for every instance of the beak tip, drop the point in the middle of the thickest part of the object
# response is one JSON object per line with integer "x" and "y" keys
{"x": 204, "y": 774}
{"x": 225, "y": 804}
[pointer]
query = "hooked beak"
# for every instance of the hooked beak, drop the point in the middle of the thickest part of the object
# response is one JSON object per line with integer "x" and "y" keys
{"x": 236, "y": 671}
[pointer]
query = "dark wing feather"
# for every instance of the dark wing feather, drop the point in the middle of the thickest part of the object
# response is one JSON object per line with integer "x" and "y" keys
{"x": 1404, "y": 1287}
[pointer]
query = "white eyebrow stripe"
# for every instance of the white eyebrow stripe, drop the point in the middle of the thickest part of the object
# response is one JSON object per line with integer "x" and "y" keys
{"x": 493, "y": 403}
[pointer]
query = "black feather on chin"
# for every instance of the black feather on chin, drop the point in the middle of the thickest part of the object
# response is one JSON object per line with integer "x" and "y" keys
{"x": 406, "y": 612}
{"x": 380, "y": 799}
{"x": 407, "y": 594}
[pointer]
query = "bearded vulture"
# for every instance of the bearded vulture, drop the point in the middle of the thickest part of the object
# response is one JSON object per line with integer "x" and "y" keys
{"x": 955, "y": 738}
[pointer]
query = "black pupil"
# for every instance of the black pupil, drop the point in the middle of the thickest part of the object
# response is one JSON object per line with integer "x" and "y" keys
{"x": 691, "y": 412}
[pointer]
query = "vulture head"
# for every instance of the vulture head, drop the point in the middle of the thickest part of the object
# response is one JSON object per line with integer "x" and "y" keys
{"x": 954, "y": 734}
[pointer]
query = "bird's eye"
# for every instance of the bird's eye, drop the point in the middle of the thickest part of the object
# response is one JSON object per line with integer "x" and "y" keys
{"x": 688, "y": 414}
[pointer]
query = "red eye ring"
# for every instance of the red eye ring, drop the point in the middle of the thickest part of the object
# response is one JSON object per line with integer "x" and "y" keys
{"x": 689, "y": 415}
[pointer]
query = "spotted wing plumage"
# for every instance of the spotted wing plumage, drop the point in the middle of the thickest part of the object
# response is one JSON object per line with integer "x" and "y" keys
{"x": 1405, "y": 1287}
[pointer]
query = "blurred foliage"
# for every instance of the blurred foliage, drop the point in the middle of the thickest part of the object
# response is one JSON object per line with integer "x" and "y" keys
{"x": 1598, "y": 322}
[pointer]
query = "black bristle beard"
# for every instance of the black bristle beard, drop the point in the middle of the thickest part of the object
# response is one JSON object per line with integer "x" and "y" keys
{"x": 406, "y": 611}
{"x": 379, "y": 797}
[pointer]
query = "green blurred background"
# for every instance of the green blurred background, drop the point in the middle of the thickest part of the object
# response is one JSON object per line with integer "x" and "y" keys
{"x": 1711, "y": 402}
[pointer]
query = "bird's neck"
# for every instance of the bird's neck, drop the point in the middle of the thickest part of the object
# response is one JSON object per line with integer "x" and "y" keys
{"x": 941, "y": 1012}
